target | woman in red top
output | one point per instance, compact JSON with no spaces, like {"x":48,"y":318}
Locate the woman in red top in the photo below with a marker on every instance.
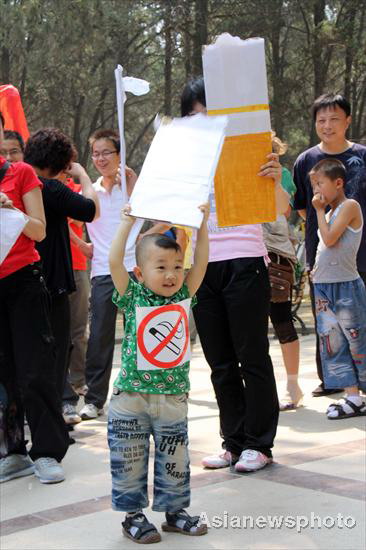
{"x":27,"y":354}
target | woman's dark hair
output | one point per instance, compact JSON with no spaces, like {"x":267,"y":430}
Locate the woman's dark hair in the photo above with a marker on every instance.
{"x":2,"y":119}
{"x":194,"y":91}
{"x":109,"y":134}
{"x":329,"y":101}
{"x":49,"y":148}
{"x":12,"y":134}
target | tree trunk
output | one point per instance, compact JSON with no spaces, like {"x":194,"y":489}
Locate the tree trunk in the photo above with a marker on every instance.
{"x":93,"y":123}
{"x":348,"y":32}
{"x":200,"y":35}
{"x":5,"y":65}
{"x":317,"y":56}
{"x":317,"y":53}
{"x":77,"y":120}
{"x":168,"y":58}
{"x":139,"y":138}
{"x":357,"y":96}
{"x":278,"y":101}
{"x":187,"y":47}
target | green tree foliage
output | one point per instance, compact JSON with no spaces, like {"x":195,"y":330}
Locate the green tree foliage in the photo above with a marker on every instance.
{"x":61,"y":54}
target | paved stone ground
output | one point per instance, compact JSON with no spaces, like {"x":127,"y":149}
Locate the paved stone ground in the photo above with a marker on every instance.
{"x":312,"y":497}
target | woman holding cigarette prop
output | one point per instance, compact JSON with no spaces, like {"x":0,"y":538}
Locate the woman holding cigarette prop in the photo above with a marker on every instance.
{"x":232,"y":321}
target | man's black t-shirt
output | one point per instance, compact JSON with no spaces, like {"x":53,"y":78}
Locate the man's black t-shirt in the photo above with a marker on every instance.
{"x":354,"y":160}
{"x":59,"y":204}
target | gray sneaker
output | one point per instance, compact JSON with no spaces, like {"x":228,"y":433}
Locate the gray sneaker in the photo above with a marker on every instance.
{"x":48,"y":470}
{"x":70,"y":415}
{"x":90,"y":411}
{"x":13,"y":466}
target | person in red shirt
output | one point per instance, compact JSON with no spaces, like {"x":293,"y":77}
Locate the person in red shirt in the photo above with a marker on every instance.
{"x":27,"y":351}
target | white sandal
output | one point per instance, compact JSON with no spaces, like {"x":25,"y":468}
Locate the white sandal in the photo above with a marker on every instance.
{"x":346,"y":408}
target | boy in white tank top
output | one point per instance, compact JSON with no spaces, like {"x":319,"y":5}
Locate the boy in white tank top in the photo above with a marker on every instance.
{"x":340,"y":295}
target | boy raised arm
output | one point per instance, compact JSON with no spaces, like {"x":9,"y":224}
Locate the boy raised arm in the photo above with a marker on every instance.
{"x":116,"y":255}
{"x":117,"y":252}
{"x":198,"y":269}
{"x":331,"y":233}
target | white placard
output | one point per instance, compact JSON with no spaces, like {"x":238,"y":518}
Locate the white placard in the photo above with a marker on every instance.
{"x":163,"y":339}
{"x":12,"y":223}
{"x":178,"y":171}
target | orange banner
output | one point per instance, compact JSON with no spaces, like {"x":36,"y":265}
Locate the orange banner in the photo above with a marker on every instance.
{"x":12,"y":110}
{"x":243,"y":197}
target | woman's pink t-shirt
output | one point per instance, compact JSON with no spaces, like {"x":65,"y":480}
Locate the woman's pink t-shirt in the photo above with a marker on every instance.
{"x":228,"y":243}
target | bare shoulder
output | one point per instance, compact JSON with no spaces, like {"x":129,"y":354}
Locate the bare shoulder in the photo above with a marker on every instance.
{"x":352,"y":203}
{"x":353,"y":209}
{"x":355,"y":204}
{"x":349,"y":207}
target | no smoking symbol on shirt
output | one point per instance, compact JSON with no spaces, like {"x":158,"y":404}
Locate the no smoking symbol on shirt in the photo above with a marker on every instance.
{"x":162,"y":336}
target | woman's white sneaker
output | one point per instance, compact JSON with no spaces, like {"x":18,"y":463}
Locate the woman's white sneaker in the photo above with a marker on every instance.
{"x":223,"y":460}
{"x":250,"y":461}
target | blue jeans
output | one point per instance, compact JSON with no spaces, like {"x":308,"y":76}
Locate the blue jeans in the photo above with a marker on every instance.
{"x":341,"y":325}
{"x":133,"y":418}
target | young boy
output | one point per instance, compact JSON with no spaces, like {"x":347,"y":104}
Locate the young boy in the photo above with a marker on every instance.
{"x":340,"y":295}
{"x":150,"y":393}
{"x":331,"y":115}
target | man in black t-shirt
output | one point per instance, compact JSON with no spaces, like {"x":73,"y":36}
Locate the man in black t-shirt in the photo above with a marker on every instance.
{"x":332,"y":117}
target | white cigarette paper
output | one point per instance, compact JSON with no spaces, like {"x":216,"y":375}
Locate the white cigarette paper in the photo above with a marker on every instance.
{"x":235,"y":77}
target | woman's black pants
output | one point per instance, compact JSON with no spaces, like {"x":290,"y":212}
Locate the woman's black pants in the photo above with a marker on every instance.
{"x":27,"y":366}
{"x":232,"y":321}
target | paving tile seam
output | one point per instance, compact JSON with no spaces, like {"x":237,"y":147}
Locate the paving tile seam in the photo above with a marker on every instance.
{"x":276,"y":473}
{"x":291,"y":459}
{"x":313,"y":454}
{"x":55,"y":515}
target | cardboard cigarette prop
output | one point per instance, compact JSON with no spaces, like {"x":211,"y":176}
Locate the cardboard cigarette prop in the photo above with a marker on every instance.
{"x":178,"y":171}
{"x":236,"y":86}
{"x":12,"y":110}
{"x":137,"y":87}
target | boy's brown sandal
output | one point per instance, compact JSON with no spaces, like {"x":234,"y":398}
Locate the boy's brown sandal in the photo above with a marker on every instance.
{"x":182,"y":522}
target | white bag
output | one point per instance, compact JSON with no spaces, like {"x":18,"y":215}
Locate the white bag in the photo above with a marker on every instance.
{"x":12,"y":223}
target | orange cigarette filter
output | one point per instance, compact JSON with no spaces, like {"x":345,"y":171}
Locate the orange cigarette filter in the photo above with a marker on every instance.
{"x":236,"y":86}
{"x":243,"y":197}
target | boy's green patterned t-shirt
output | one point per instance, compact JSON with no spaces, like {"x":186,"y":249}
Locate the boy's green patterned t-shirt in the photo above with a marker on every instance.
{"x":157,"y":381}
